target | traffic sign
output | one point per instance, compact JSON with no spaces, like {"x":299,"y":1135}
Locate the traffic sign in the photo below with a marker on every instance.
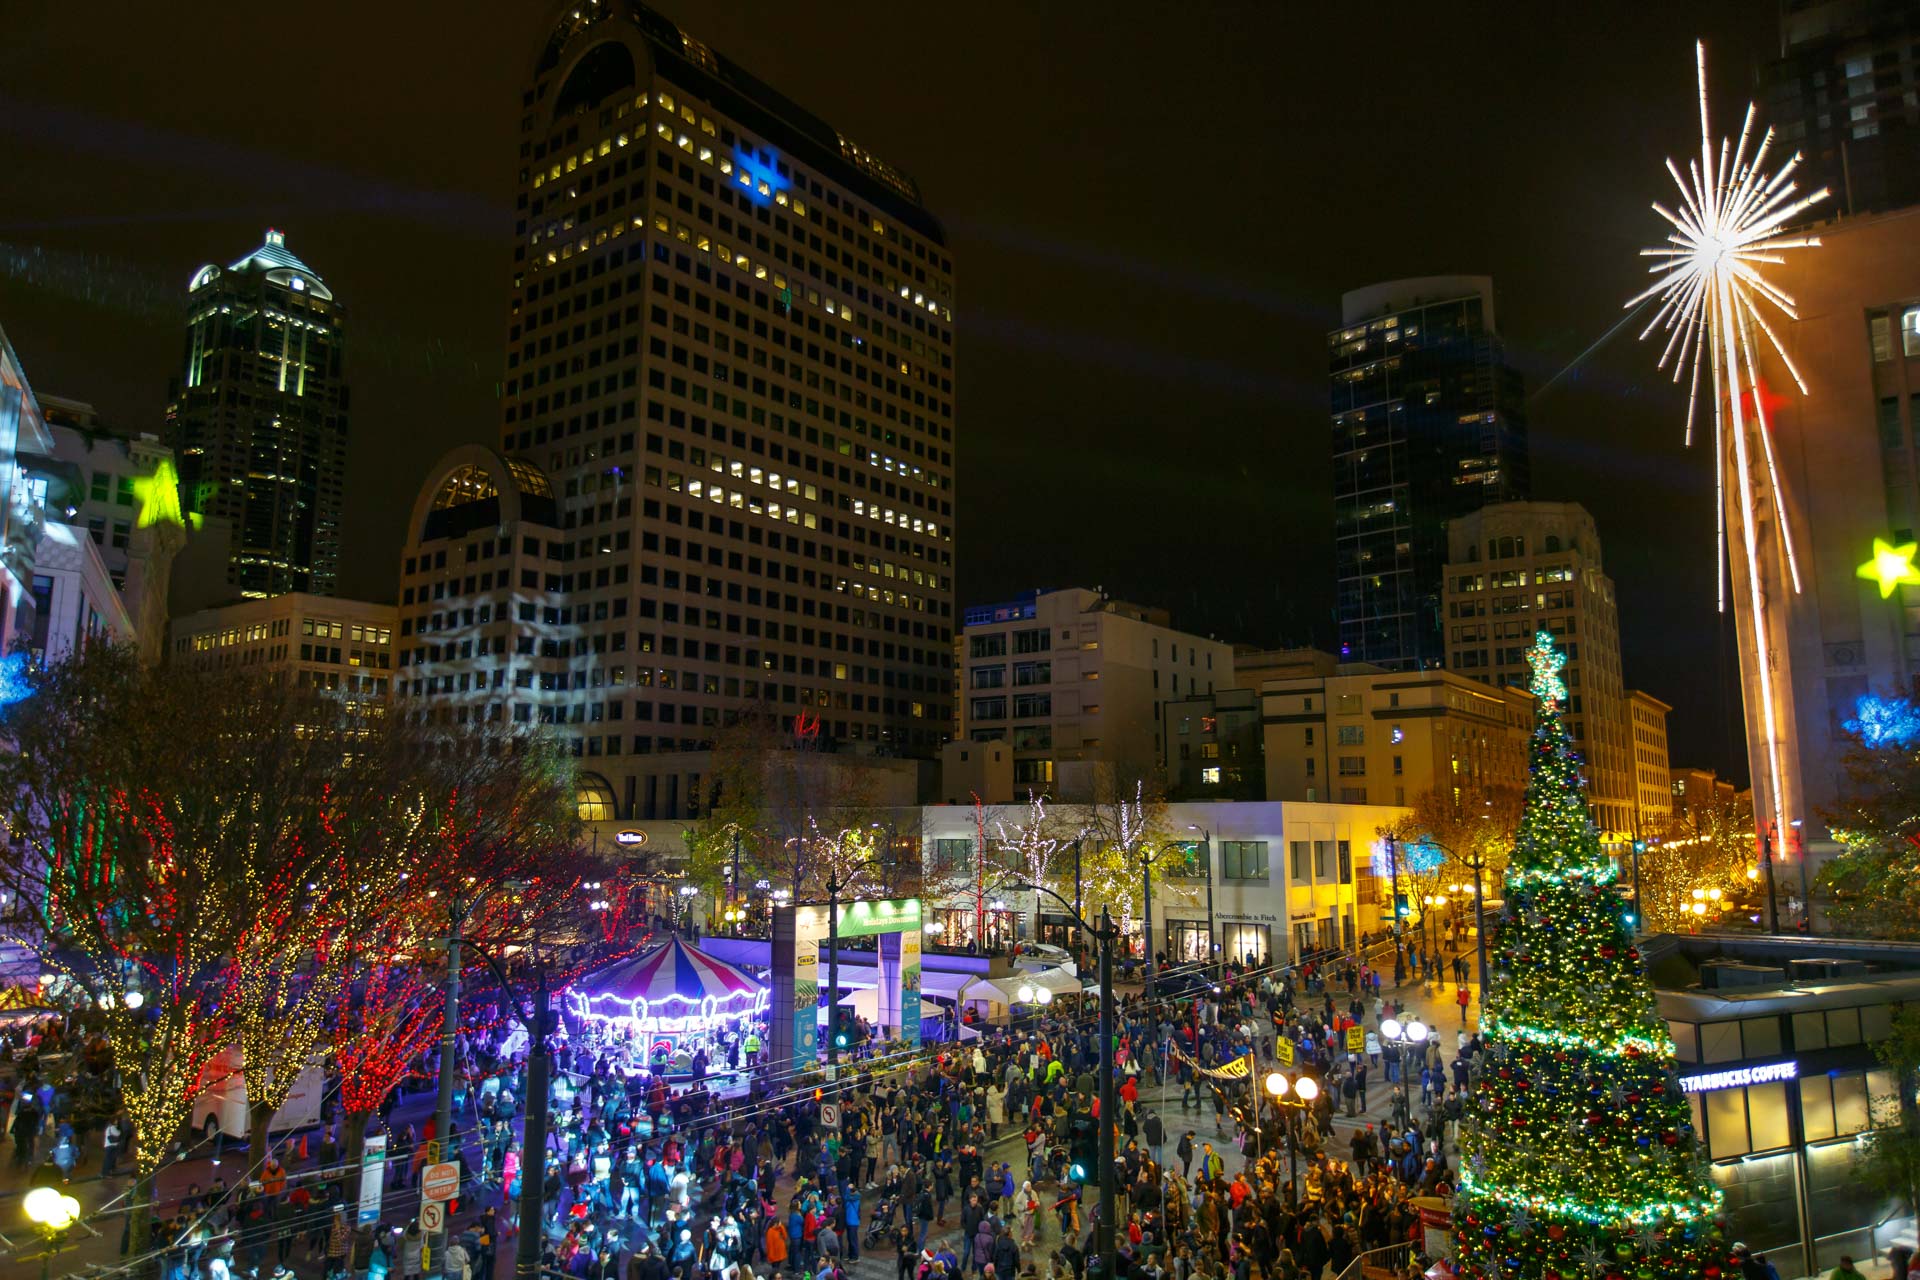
{"x":440,"y":1181}
{"x":433,"y":1215}
{"x":829,"y":1115}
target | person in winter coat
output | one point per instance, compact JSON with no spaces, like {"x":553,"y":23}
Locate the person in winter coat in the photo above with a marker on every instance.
{"x":411,"y":1245}
{"x":983,"y":1245}
{"x":776,"y":1244}
{"x":1006,"y":1256}
{"x":1025,"y":1202}
{"x":456,"y":1262}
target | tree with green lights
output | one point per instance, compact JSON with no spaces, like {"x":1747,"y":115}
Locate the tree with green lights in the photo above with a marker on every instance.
{"x":1579,"y":1159}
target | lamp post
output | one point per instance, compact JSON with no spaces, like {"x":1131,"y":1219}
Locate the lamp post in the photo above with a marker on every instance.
{"x":1409,"y":1035}
{"x":687,"y":893}
{"x":53,"y":1214}
{"x":1033,"y":994}
{"x":1105,"y":935}
{"x":1206,"y":852}
{"x":1292,"y":1096}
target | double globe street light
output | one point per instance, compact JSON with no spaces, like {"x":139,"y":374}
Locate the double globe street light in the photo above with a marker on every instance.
{"x":1410,"y":1035}
{"x":54,"y":1214}
{"x":1291,"y":1096}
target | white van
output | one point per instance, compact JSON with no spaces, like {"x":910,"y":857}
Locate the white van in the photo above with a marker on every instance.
{"x":221,"y":1104}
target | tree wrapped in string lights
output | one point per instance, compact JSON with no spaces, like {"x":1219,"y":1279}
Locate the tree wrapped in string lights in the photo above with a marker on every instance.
{"x":1579,"y":1157}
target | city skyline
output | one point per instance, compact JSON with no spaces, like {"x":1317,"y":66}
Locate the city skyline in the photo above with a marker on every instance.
{"x":1085,"y":319}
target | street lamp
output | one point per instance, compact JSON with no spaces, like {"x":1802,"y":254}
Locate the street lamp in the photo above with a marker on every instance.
{"x":1408,"y":1035}
{"x":54,"y":1214}
{"x":687,"y":893}
{"x":1030,"y":993}
{"x":1303,"y":1091}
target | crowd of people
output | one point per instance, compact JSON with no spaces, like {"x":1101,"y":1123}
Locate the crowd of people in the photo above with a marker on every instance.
{"x":975,"y":1160}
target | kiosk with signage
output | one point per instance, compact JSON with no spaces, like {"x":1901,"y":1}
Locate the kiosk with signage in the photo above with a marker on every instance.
{"x":798,"y":932}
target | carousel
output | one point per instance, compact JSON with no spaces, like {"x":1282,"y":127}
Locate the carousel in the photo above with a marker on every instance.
{"x":674,"y":1009}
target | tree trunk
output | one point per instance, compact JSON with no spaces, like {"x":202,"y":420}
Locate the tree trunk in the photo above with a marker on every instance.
{"x":355,"y":1133}
{"x":259,"y":1117}
{"x":139,"y":1206}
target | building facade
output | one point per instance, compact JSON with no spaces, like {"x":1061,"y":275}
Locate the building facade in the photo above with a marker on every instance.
{"x":1696,"y":795}
{"x":1073,"y":676}
{"x":1372,"y":737}
{"x":258,"y":419}
{"x":1776,"y":1041}
{"x":1265,"y":881}
{"x":730,"y":352}
{"x":26,"y":448}
{"x":1215,"y":747}
{"x":1652,"y":769}
{"x":1845,"y":453}
{"x":321,"y":642}
{"x":127,"y":499}
{"x":1428,"y":424}
{"x":1515,"y":568}
{"x":1845,"y":93}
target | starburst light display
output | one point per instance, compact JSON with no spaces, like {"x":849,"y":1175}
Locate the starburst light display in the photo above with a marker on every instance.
{"x":1714,"y":303}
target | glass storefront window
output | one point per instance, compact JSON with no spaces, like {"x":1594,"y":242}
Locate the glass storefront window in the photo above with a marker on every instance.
{"x":1719,"y":1042}
{"x":1186,"y":941}
{"x":1816,"y":1108}
{"x":1686,"y":1046}
{"x":1809,"y":1031}
{"x":1244,"y":943}
{"x":1843,"y":1026}
{"x":1760,"y":1036}
{"x":1727,"y":1123}
{"x":1849,"y":1103}
{"x":1767,"y":1116}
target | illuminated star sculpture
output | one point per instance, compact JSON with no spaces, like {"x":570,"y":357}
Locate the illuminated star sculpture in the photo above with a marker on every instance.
{"x":1891,"y":567}
{"x":1714,"y":304}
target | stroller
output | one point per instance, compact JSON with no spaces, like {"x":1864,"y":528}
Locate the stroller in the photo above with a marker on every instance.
{"x":879,"y":1224}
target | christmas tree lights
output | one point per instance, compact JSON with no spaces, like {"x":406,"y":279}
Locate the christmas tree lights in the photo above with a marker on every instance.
{"x":1579,"y":1153}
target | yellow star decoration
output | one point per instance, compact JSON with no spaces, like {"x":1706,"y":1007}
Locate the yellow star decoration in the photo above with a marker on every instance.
{"x":159,"y":496}
{"x":1891,"y":566}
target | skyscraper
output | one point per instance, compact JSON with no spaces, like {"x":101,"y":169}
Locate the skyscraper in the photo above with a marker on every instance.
{"x":730,"y":363}
{"x":1428,"y":424}
{"x":1517,"y":568}
{"x":1845,"y":92}
{"x":258,"y":419}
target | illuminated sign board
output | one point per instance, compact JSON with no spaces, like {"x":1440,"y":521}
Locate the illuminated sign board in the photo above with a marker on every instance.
{"x":1739,"y":1077}
{"x":630,"y":839}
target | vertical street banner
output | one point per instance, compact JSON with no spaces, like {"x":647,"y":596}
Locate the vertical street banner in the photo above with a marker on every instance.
{"x":373,"y":1178}
{"x":910,"y":987}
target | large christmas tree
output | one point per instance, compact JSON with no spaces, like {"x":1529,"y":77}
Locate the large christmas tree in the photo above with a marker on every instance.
{"x":1579,"y":1159}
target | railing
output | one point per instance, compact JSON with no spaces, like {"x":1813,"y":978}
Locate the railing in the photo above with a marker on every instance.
{"x":1390,"y":1256}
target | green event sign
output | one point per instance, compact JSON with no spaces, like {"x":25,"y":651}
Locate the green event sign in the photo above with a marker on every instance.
{"x":892,"y":915}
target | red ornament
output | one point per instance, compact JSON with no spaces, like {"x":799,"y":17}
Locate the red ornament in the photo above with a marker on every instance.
{"x":1609,"y":952}
{"x":1555,"y":1231}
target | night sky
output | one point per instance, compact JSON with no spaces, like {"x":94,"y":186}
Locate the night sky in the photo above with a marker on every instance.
{"x":1153,"y":212}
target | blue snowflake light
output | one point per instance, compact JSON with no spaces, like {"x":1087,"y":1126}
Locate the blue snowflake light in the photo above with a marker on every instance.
{"x":1884,"y":722}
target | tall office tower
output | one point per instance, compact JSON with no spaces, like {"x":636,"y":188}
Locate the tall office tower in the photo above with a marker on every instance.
{"x":1845,"y":93}
{"x":258,"y":419}
{"x":1428,"y":424}
{"x":1516,"y":568}
{"x":730,"y":358}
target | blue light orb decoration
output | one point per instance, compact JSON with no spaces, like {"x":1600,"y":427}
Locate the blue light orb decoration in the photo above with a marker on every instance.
{"x":1884,"y":722}
{"x":15,"y":684}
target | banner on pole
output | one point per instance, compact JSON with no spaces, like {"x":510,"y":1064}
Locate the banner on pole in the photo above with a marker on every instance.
{"x":373,"y":1179}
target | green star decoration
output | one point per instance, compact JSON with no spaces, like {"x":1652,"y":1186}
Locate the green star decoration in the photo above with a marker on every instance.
{"x":159,"y":496}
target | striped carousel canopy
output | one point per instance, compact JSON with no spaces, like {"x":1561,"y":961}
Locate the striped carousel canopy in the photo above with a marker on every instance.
{"x":674,"y":980}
